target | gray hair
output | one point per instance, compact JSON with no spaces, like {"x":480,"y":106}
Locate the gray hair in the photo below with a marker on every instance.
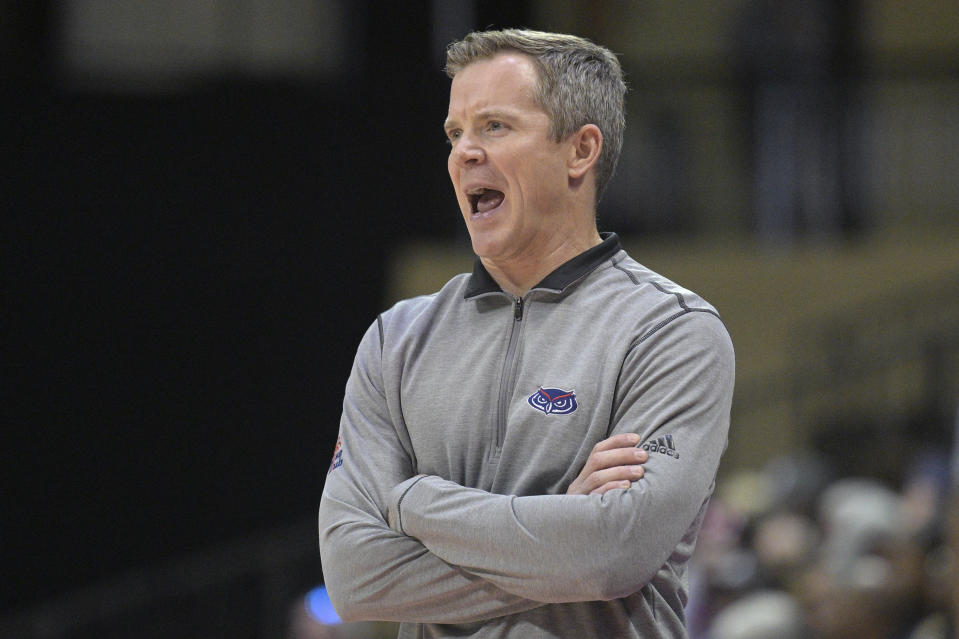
{"x":579,"y":83}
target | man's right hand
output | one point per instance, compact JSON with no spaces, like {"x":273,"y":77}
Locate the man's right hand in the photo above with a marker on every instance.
{"x":613,"y":463}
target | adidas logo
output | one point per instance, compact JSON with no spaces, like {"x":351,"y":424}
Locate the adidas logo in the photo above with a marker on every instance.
{"x":662,"y":445}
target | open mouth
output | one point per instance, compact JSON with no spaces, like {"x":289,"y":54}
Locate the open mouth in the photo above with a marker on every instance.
{"x":483,"y":200}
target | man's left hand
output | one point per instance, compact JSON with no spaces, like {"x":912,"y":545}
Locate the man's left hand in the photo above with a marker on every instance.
{"x":613,"y":463}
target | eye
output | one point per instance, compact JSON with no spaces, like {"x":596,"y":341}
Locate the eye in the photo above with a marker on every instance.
{"x":494,"y":125}
{"x":452,"y":136}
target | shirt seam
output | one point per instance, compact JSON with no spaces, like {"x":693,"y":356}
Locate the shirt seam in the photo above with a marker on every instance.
{"x":686,"y":311}
{"x":680,"y":299}
{"x":399,"y":503}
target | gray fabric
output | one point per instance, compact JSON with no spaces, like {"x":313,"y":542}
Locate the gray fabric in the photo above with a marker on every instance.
{"x":448,"y":511}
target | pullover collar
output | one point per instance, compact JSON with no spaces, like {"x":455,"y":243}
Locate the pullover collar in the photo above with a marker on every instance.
{"x":481,"y":282}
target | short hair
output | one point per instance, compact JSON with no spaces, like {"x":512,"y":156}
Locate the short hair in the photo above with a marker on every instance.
{"x":579,"y":83}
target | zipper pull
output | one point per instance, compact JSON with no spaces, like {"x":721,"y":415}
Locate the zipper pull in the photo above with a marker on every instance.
{"x":518,"y":309}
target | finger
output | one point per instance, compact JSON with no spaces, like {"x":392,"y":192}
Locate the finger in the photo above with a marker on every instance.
{"x":612,"y":475}
{"x":610,"y":486}
{"x":622,"y":440}
{"x":587,"y":484}
{"x":616,"y":457}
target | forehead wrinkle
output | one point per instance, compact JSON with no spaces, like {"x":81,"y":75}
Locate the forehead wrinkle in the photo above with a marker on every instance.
{"x":486,"y":94}
{"x":477,"y":105}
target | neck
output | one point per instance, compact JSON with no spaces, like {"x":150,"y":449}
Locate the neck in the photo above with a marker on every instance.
{"x":518,"y":275}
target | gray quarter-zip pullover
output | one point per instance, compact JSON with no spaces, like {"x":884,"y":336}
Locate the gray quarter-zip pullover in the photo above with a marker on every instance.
{"x":467,"y":415}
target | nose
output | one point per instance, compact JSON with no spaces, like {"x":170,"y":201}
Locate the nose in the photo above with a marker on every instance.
{"x":466,"y":151}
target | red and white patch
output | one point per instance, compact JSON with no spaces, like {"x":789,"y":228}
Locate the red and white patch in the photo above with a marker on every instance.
{"x":337,"y":456}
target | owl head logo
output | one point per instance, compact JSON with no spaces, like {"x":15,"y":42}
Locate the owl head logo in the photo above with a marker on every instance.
{"x":553,"y":401}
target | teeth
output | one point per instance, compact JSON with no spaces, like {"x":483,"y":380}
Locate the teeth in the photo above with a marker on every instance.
{"x":477,"y":191}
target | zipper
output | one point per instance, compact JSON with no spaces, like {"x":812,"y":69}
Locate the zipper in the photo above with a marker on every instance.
{"x":518,"y":309}
{"x":506,"y":379}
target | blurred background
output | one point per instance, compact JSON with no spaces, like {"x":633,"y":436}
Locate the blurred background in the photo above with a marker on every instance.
{"x":205,"y":204}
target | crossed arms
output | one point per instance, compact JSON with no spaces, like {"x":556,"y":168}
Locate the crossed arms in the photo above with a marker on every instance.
{"x":400,"y":546}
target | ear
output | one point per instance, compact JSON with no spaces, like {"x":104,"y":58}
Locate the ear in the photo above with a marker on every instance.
{"x":586,"y":143}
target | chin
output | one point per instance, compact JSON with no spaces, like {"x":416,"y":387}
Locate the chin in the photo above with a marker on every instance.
{"x":487,"y":245}
{"x":481,"y":242}
{"x":489,"y":235}
{"x":480,"y":247}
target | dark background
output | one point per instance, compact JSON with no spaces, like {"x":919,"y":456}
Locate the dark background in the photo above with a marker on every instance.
{"x":185,"y":279}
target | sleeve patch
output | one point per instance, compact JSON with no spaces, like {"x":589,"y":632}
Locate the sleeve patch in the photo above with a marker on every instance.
{"x":337,"y":456}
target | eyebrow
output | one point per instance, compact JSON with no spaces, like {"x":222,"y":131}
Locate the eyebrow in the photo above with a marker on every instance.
{"x":484,"y":114}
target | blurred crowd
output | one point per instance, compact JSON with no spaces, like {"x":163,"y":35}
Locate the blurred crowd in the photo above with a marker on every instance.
{"x":798,"y":550}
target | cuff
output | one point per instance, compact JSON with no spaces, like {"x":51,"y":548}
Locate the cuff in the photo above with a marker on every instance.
{"x":396,"y":497}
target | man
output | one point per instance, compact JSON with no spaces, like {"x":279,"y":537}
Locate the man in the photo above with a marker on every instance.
{"x":487,"y":482}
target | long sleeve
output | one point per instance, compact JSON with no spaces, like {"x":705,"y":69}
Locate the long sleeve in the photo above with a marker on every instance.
{"x":372,"y":572}
{"x":675,"y":390}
